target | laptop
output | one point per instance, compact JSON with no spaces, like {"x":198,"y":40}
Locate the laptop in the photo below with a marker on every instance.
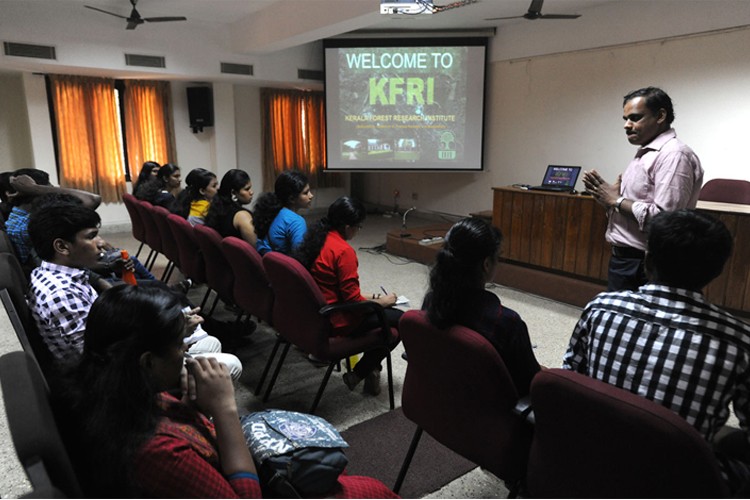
{"x":559,"y":178}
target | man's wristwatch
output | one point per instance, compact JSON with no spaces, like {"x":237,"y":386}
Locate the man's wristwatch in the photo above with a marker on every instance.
{"x":618,"y":203}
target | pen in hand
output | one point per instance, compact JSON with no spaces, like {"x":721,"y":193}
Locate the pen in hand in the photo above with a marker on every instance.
{"x":384,"y":292}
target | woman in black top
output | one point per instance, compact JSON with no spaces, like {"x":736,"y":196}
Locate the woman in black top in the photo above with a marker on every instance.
{"x":226,"y":214}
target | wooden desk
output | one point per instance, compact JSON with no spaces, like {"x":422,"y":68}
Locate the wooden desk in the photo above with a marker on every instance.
{"x":554,"y":247}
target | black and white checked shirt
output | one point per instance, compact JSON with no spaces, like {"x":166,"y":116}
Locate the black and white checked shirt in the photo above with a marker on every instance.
{"x":60,"y":298}
{"x":671,"y":346}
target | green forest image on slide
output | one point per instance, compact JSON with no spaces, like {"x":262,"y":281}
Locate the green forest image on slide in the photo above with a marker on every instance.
{"x":403,"y":104}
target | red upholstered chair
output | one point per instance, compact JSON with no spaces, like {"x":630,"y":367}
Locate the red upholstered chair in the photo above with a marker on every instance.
{"x":153,"y":237}
{"x":34,"y":431}
{"x":458,"y":390}
{"x":14,"y":282}
{"x":139,"y":230}
{"x":726,"y":191}
{"x":594,"y":440}
{"x":191,"y":260}
{"x":252,"y":290}
{"x":300,"y":316}
{"x":168,"y":243}
{"x":219,"y":274}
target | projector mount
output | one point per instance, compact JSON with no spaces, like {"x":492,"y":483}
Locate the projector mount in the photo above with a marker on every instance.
{"x":417,"y":7}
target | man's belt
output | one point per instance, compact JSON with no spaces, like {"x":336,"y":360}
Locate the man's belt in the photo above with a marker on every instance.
{"x":628,"y":252}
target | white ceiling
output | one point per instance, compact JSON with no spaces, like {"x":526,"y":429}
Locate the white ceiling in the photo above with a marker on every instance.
{"x":274,"y":34}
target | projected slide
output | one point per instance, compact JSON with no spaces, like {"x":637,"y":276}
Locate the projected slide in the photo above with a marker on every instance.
{"x":405,"y":107}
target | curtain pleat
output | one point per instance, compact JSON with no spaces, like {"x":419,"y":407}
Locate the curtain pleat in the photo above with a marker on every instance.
{"x":148,"y":131}
{"x":293,"y":124}
{"x":87,"y":128}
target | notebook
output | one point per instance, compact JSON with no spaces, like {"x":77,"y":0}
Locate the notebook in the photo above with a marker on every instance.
{"x":559,"y":178}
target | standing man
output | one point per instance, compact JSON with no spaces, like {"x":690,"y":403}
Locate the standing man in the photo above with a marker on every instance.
{"x":664,"y":175}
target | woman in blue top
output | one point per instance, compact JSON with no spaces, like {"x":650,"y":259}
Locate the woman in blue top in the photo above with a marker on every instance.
{"x":277,"y":224}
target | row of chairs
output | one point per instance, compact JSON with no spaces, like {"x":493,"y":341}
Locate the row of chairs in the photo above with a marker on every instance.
{"x":585,"y":438}
{"x":267,"y":288}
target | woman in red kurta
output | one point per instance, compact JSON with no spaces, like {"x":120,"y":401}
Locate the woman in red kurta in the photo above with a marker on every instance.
{"x":131,"y":437}
{"x":334,"y":266}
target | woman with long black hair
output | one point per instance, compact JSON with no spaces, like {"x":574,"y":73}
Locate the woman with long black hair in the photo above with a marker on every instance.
{"x":334,"y":266}
{"x":226,"y":213}
{"x":193,"y":202}
{"x":163,"y":189}
{"x":148,"y":172}
{"x":278,"y":224}
{"x":457,"y":295}
{"x":132,"y":437}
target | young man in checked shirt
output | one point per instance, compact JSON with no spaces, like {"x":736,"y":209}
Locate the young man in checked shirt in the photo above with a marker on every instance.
{"x":666,"y":343}
{"x":63,"y":289}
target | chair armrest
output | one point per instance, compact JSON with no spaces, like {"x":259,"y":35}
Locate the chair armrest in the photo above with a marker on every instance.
{"x":524,"y":410}
{"x":365,"y":305}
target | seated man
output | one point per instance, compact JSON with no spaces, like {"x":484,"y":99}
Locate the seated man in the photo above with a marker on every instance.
{"x":666,"y":342}
{"x":66,"y":238}
{"x":33,"y":190}
{"x":24,"y":186}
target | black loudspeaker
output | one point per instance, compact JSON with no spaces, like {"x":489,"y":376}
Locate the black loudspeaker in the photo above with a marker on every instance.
{"x":200,"y":107}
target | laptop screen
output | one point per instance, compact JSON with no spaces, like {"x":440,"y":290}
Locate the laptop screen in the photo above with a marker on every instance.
{"x":561,"y":176}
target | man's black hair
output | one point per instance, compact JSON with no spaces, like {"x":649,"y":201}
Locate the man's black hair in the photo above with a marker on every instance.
{"x":656,"y":99}
{"x":63,"y":221}
{"x":687,"y":249}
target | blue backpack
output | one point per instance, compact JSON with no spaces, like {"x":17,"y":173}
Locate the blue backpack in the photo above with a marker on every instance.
{"x":297,"y":455}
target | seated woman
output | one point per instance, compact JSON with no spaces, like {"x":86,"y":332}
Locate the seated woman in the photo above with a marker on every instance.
{"x":149,"y":170}
{"x":226,"y":214}
{"x":278,"y":225}
{"x":131,"y":437}
{"x":163,"y":189}
{"x":194,"y":201}
{"x":333,"y":265}
{"x":457,"y":296}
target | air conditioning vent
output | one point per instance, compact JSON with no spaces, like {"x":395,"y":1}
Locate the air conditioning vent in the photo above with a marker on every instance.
{"x":28,"y":50}
{"x":310,"y":74}
{"x":146,"y":61}
{"x":237,"y":69}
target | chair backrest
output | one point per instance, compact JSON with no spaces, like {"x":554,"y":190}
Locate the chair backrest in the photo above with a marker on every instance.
{"x":13,"y":280}
{"x":218,"y":271}
{"x":168,"y":243}
{"x":191,"y":258}
{"x":458,"y":389}
{"x":297,"y":302}
{"x":252,"y":290}
{"x":6,"y":246}
{"x":595,"y":440}
{"x":33,"y":428}
{"x":726,"y":191}
{"x":138,"y":228}
{"x":153,"y":237}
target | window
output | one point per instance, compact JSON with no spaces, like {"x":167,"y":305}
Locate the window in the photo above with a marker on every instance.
{"x":89,"y":115}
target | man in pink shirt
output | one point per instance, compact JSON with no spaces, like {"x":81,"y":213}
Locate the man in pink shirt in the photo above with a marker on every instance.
{"x":665,"y":175}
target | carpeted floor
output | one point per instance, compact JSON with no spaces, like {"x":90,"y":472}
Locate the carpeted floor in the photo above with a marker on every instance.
{"x":378,"y":446}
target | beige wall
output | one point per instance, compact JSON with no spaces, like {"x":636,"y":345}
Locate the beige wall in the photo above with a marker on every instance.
{"x":15,"y":138}
{"x":566,"y":109}
{"x":562,"y":108}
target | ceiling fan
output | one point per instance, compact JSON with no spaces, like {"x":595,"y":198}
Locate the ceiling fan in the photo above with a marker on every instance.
{"x":134,"y":19}
{"x":535,"y":12}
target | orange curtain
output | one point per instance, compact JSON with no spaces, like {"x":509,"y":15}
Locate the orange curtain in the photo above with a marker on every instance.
{"x":149,"y":130}
{"x":293,"y":124}
{"x":88,"y":137}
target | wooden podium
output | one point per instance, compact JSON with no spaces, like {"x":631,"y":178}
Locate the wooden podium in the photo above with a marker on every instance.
{"x":553,"y":244}
{"x":554,"y":247}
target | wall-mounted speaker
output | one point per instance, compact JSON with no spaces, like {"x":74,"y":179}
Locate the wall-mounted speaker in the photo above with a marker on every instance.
{"x":200,"y":107}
